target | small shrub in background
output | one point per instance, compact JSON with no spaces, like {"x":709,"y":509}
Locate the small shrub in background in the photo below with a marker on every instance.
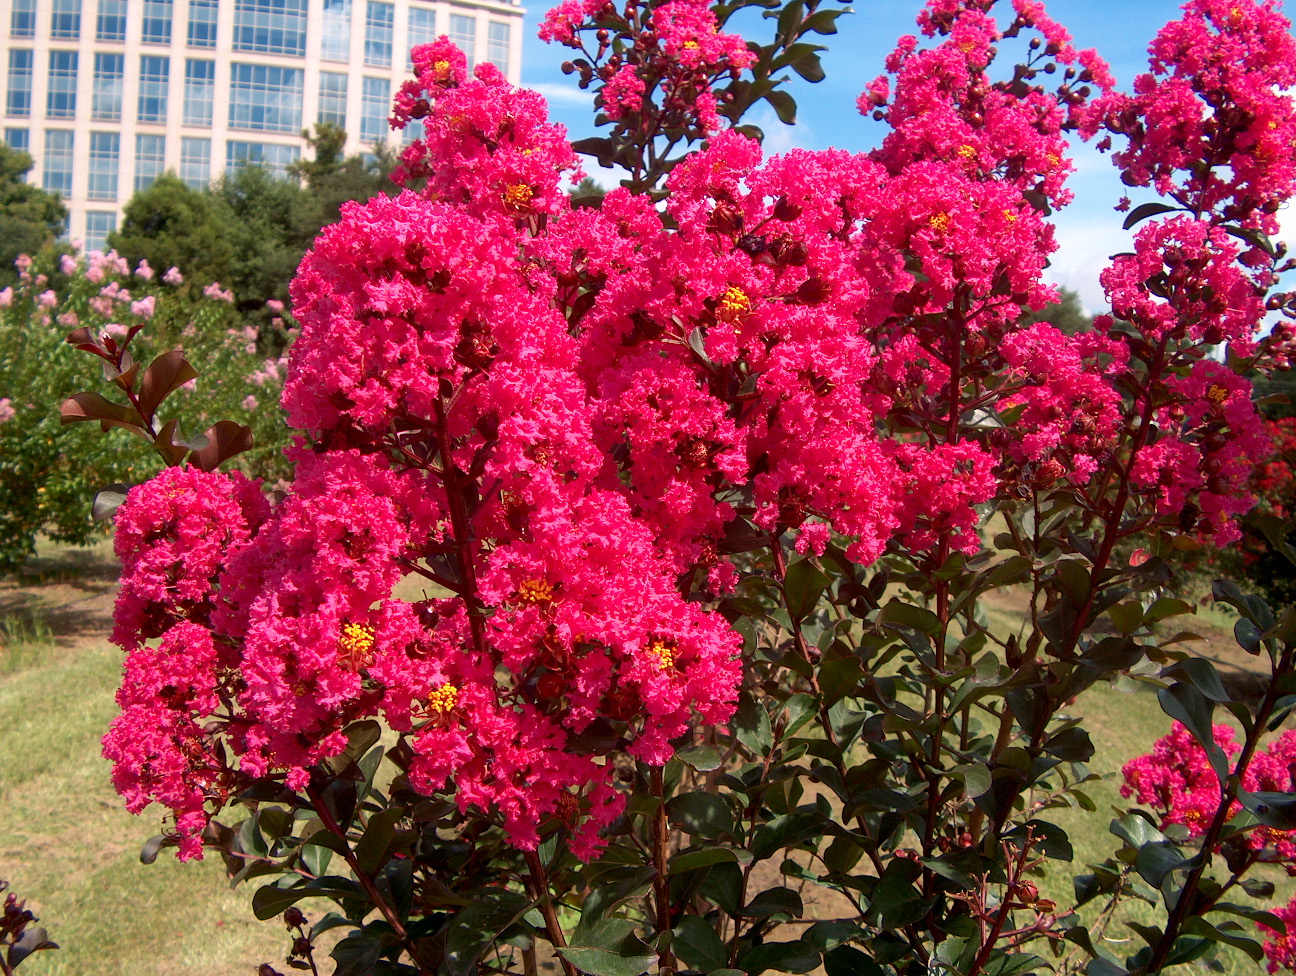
{"x":48,"y":470}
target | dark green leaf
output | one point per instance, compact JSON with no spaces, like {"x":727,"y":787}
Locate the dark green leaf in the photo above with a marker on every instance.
{"x":1146,"y":210}
{"x":698,"y":944}
{"x":751,"y":725}
{"x":474,"y":928}
{"x":701,"y":814}
{"x":603,"y":962}
{"x":775,"y":901}
{"x":702,"y":758}
{"x":848,"y":961}
{"x":786,"y":831}
{"x":782,"y":957}
{"x":357,"y":954}
{"x":802,"y":588}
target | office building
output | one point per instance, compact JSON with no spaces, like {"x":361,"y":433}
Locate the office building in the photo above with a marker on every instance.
{"x":106,"y":95}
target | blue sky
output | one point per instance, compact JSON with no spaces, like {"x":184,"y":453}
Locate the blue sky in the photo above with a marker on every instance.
{"x":1088,"y":230}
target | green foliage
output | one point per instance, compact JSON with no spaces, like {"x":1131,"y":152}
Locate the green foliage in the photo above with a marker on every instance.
{"x":30,"y":218}
{"x":249,"y":230}
{"x":50,"y":472}
{"x":170,"y":225}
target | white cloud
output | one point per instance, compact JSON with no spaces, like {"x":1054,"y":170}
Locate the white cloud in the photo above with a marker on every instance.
{"x":561,"y":94}
{"x":779,"y":138}
{"x":1085,"y":247}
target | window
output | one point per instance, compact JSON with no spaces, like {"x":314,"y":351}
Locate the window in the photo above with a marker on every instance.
{"x":463,"y":31}
{"x":106,"y":99}
{"x":497,"y":45}
{"x":332,"y":98}
{"x":373,"y":109}
{"x":195,"y":162}
{"x":60,"y":100}
{"x":58,"y":160}
{"x":19,"y":139}
{"x":273,"y":158}
{"x":378,"y":34}
{"x":105,"y":162}
{"x":111,"y":25}
{"x":22,"y":21}
{"x":19,"y":97}
{"x":422,"y":30}
{"x":200,"y":89}
{"x":65,"y":19}
{"x":264,"y":97}
{"x":150,"y":160}
{"x":414,"y":129}
{"x":202,"y":23}
{"x":270,"y":26}
{"x":335,"y":39}
{"x":155,"y":72}
{"x":156,"y":25}
{"x":99,"y":224}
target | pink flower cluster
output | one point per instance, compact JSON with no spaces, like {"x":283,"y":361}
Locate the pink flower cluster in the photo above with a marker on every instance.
{"x":1176,"y":780}
{"x":564,"y":422}
{"x":665,"y":60}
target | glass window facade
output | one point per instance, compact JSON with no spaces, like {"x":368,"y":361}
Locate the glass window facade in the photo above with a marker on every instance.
{"x":422,"y":30}
{"x":270,"y":26}
{"x":106,"y":99}
{"x":99,"y":224}
{"x":155,"y":28}
{"x":150,"y":159}
{"x":274,"y":158}
{"x":22,"y":19}
{"x":497,"y":45}
{"x":60,"y":96}
{"x":111,"y":22}
{"x":155,"y":73}
{"x":202,"y":23}
{"x":65,"y":19}
{"x":58,"y":161}
{"x":265,"y":98}
{"x":463,"y":31}
{"x":18,"y":99}
{"x":335,"y":36}
{"x":19,"y":139}
{"x":379,"y":21}
{"x":373,"y":109}
{"x":195,"y":162}
{"x":199,"y":91}
{"x":105,"y":165}
{"x":332,"y":98}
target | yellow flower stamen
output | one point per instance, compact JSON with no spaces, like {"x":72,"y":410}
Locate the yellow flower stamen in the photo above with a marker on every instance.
{"x":355,"y":646}
{"x":967,"y":152}
{"x":940,"y":222}
{"x":691,"y":45}
{"x":442,"y":699}
{"x":663,"y":651}
{"x":734,"y":304}
{"x":535,"y":591}
{"x":1010,"y":216}
{"x":1216,"y":394}
{"x":518,"y":194}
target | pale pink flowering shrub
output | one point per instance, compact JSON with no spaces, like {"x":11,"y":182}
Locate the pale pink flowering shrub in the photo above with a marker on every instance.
{"x":6,"y":409}
{"x":173,"y":277}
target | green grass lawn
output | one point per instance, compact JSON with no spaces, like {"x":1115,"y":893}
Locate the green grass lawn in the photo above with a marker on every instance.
{"x":68,"y":846}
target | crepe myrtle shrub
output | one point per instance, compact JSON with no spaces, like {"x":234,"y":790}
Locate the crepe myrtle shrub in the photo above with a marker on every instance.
{"x":47,"y":469}
{"x":693,"y":497}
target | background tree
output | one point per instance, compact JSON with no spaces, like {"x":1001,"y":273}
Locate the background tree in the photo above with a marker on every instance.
{"x":30,"y":218}
{"x":171,"y":225}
